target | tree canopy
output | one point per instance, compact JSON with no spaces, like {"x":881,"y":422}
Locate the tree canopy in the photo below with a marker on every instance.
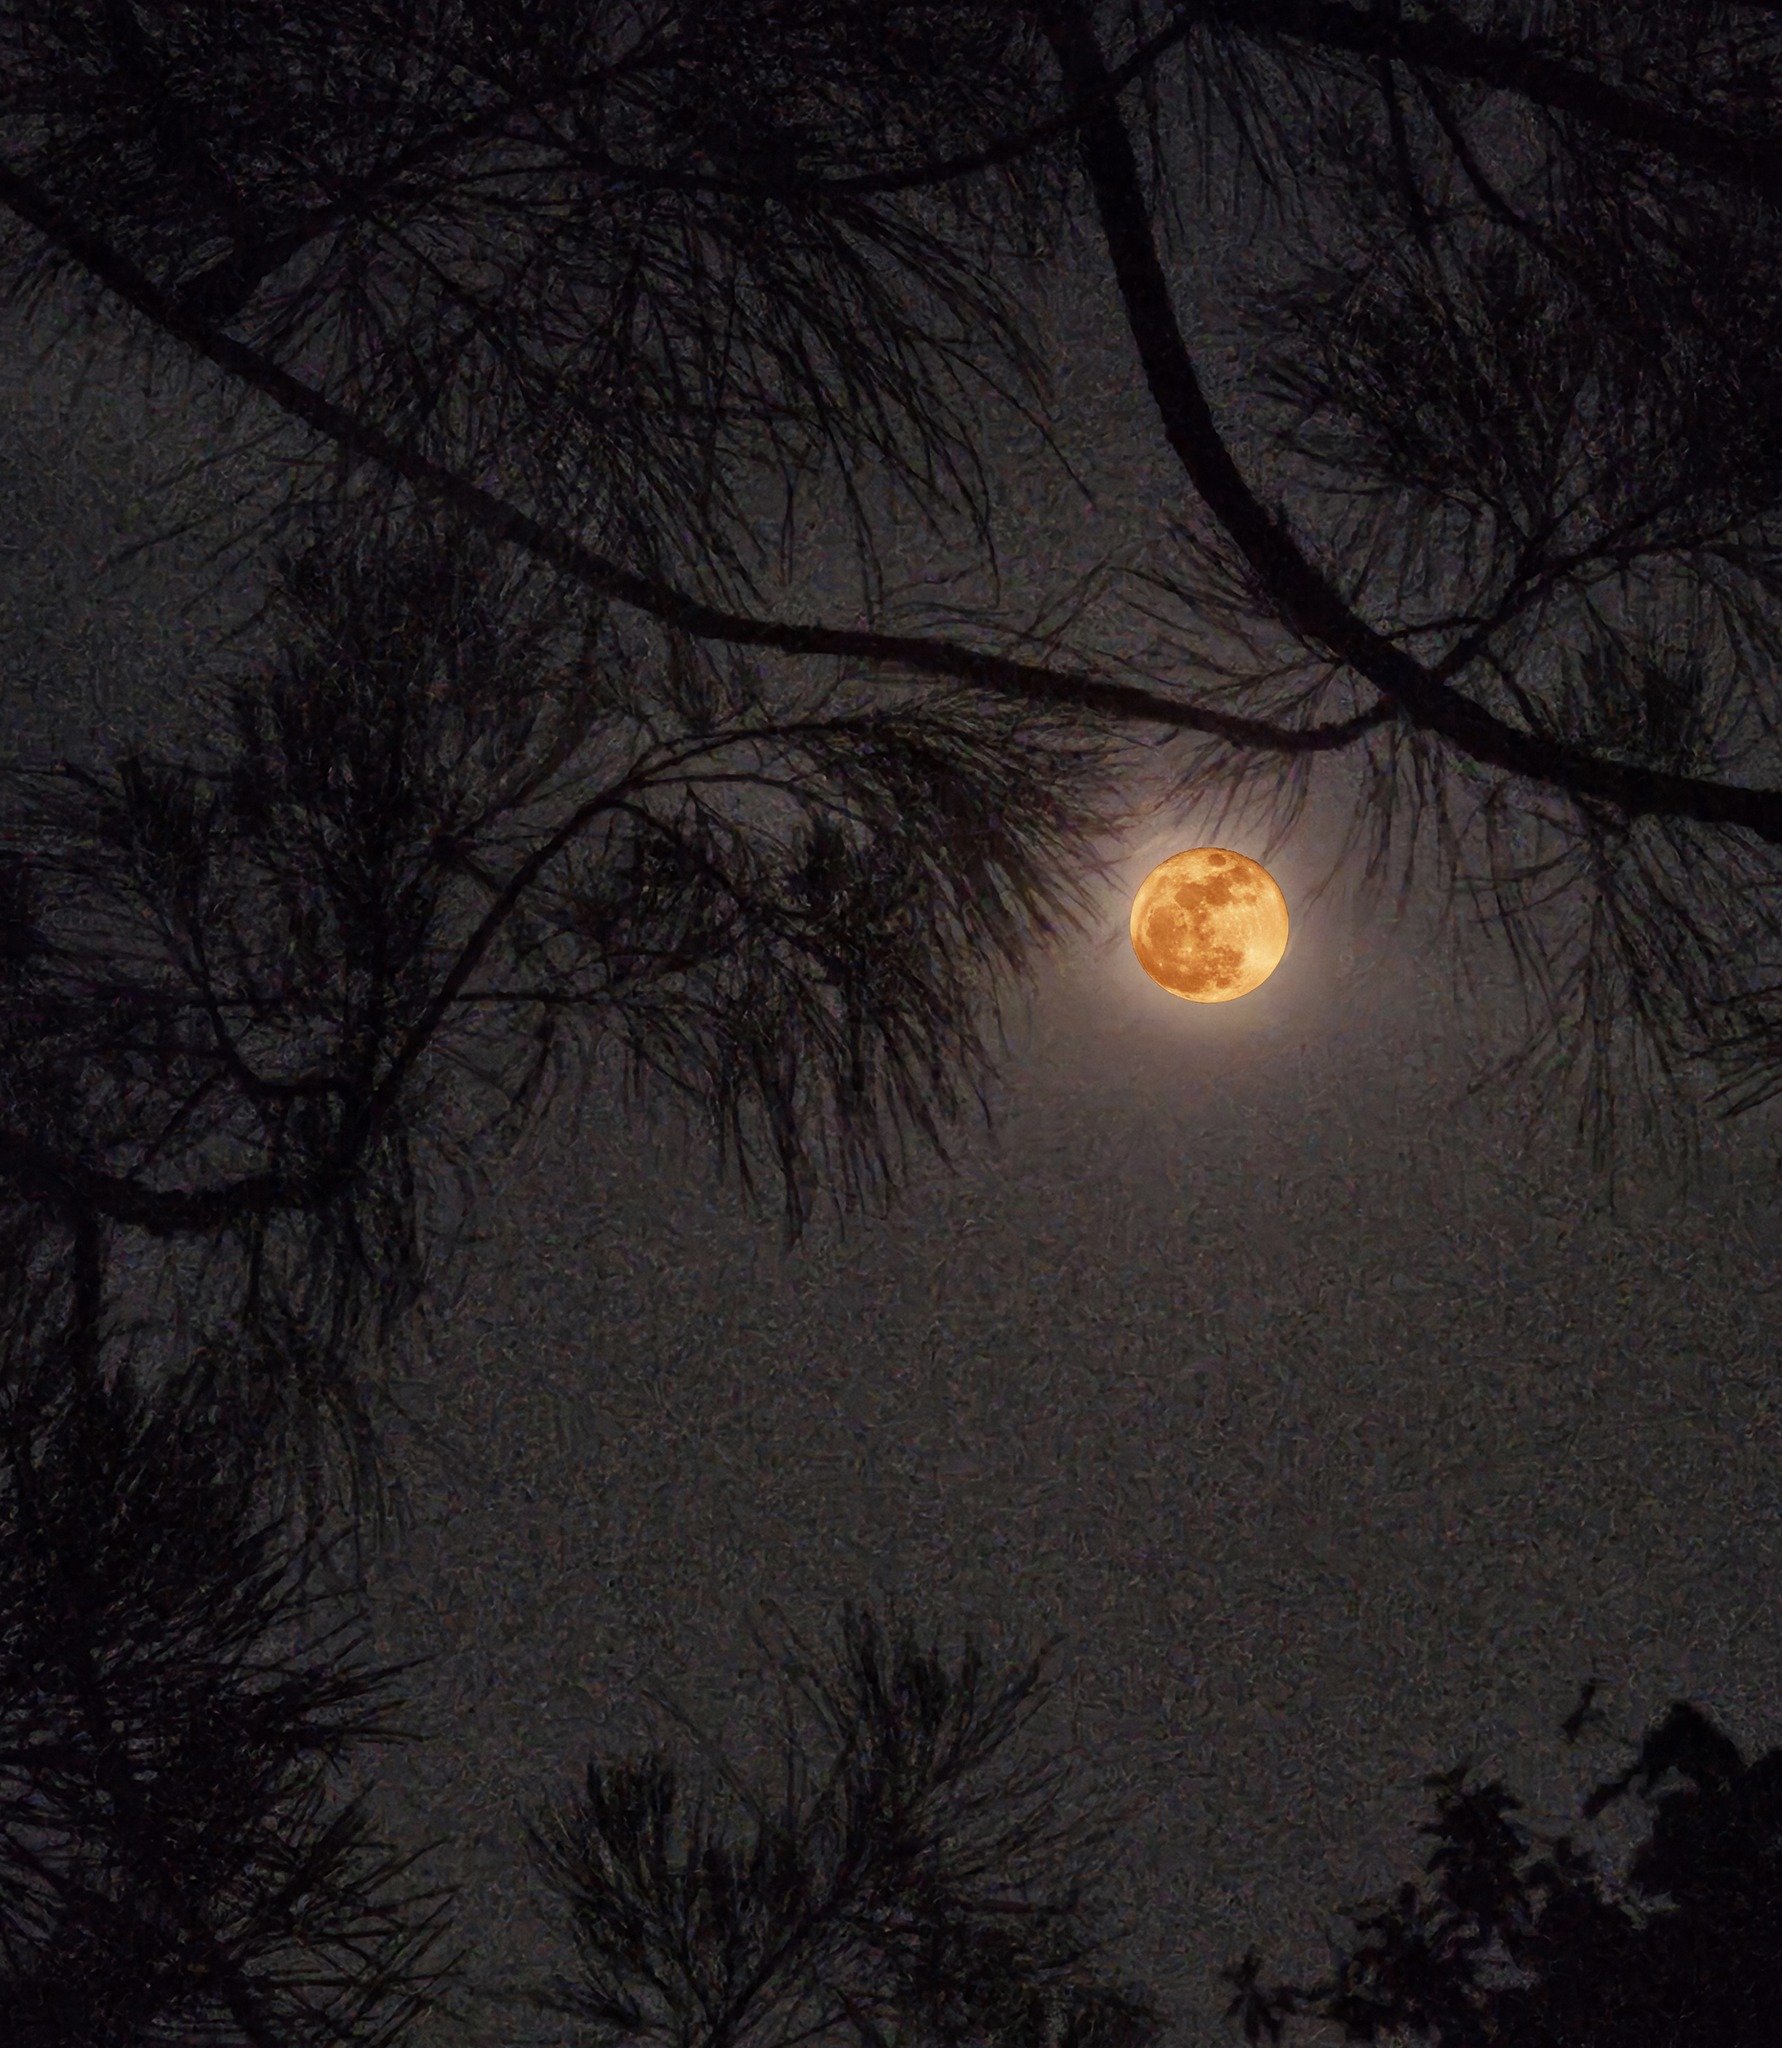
{"x":900,"y":1870}
{"x":578,"y":304}
{"x":546,"y":317}
{"x":1539,"y":1949}
{"x":177,"y":1691}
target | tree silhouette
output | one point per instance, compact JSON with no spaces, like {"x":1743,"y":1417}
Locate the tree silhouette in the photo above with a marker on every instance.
{"x":173,"y":1866}
{"x":594,"y":277}
{"x":1536,"y":1950}
{"x":900,"y":1872}
{"x":267,"y":1010}
{"x":555,"y":300}
{"x":564,"y":311}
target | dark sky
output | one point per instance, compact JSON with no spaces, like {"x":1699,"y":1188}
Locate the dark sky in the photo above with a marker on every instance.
{"x":1322,"y":1409}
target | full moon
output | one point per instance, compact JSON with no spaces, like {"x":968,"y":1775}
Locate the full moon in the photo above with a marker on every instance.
{"x":1209,"y":925}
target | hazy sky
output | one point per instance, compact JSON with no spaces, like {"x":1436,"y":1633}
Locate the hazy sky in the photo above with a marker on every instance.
{"x":1322,"y":1409}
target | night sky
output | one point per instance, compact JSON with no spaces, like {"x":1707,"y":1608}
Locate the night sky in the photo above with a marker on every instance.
{"x":1324,"y":1410}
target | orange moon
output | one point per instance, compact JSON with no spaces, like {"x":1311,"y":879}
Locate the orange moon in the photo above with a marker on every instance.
{"x":1209,"y":925}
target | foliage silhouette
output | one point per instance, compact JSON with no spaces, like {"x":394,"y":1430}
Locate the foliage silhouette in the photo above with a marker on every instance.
{"x":173,"y":1703}
{"x":371,"y":187}
{"x":593,"y":300}
{"x":451,"y":853}
{"x":564,"y":313}
{"x":1535,"y":1950}
{"x":620,"y":284}
{"x":899,"y":1872}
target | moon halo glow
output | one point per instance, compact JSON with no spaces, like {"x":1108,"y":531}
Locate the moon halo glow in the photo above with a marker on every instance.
{"x":1209,"y":925}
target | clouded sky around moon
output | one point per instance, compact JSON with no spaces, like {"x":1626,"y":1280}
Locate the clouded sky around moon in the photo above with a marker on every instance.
{"x":1323,"y":1409}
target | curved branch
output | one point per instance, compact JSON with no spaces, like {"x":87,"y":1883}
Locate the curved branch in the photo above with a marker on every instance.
{"x":88,"y":1195}
{"x":475,"y":949}
{"x":991,"y":156}
{"x":1309,"y":603}
{"x":916,"y":655}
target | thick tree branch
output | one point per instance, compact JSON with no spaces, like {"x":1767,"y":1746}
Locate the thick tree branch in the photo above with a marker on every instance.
{"x":1308,"y":602}
{"x":42,"y":1175}
{"x":88,"y":1305}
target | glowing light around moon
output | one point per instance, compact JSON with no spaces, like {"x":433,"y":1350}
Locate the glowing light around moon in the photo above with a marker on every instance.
{"x":1209,"y":925}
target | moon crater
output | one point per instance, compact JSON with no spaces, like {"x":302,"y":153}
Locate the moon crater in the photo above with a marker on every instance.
{"x":1209,"y":925}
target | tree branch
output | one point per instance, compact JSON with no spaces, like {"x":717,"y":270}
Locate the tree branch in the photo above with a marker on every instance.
{"x":920,"y":177}
{"x":223,"y":290}
{"x":41,"y":1175}
{"x":1307,"y":600}
{"x":503,"y":522}
{"x":1438,"y":40}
